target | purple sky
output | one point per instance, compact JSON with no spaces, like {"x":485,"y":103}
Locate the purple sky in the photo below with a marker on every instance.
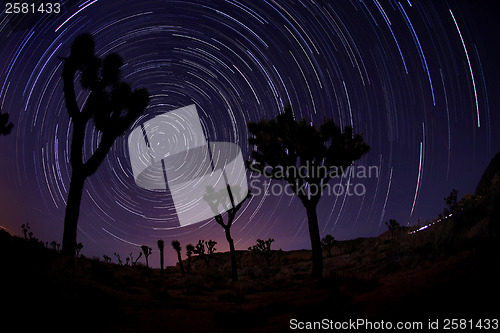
{"x":417,"y":78}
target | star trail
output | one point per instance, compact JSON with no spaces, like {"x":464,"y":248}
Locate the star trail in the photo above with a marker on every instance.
{"x":418,"y":79}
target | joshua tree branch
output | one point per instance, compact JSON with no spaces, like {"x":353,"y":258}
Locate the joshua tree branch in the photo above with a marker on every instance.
{"x":99,"y":155}
{"x":220,"y":220}
{"x":5,"y":126}
{"x":69,"y":71}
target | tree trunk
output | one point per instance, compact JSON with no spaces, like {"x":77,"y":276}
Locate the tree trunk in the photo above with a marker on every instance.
{"x":317,"y":253}
{"x":161,"y":261}
{"x":72,"y":213}
{"x":181,"y":266}
{"x":234,"y":268}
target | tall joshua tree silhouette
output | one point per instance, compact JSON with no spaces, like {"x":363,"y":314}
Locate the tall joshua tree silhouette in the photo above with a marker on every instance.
{"x":5,"y":126}
{"x":307,"y":157}
{"x":214,"y":199}
{"x":112,"y":105}
{"x":177,"y":247}
{"x":161,"y":247}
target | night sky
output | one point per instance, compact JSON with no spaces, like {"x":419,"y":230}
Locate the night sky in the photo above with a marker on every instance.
{"x":419,"y":80}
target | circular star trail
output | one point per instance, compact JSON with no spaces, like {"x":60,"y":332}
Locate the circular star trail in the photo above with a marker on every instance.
{"x":415,"y":78}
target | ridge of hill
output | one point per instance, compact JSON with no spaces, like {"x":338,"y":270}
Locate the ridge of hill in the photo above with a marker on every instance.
{"x":491,"y":176}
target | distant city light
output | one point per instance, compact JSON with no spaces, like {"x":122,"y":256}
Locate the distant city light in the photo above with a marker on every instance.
{"x":428,"y":225}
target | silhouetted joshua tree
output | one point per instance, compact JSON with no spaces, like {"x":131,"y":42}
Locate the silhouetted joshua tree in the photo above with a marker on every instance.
{"x":120,"y":262}
{"x":263,"y":248}
{"x":26,"y":228}
{"x":111,"y":104}
{"x":451,"y":202}
{"x":133,"y":261}
{"x":307,"y":157}
{"x":177,"y":247}
{"x":214,"y":199}
{"x":328,"y":242}
{"x":211,"y":247}
{"x":200,"y":248}
{"x":189,"y":253}
{"x":5,"y":126}
{"x":78,"y":248}
{"x":147,"y":252}
{"x":200,"y":251}
{"x":161,"y":247}
{"x":129,"y":259}
{"x":27,"y":233}
{"x":392,"y":225}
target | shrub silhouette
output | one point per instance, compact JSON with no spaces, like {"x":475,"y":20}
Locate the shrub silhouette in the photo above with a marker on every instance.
{"x":177,"y":247}
{"x":113,"y":107}
{"x":283,"y":147}
{"x":161,"y":247}
{"x":214,"y":199}
{"x":5,"y":126}
{"x":147,"y":252}
{"x":328,"y":242}
{"x":189,"y":253}
{"x":106,"y":258}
